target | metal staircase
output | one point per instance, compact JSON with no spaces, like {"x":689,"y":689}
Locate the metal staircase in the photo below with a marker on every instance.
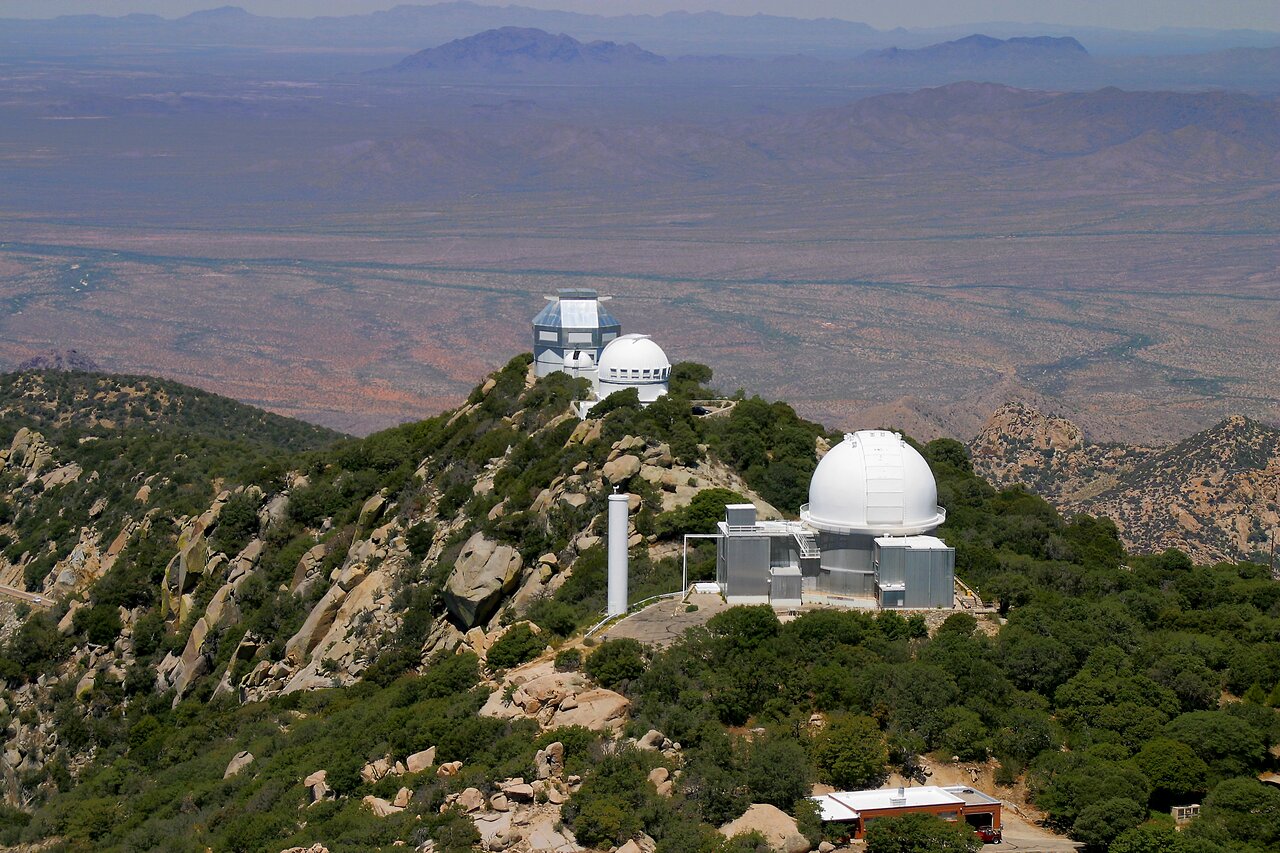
{"x":808,"y":545}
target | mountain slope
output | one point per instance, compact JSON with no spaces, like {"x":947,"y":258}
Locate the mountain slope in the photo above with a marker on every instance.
{"x":378,"y":643}
{"x":106,"y":402}
{"x":1215,"y":495}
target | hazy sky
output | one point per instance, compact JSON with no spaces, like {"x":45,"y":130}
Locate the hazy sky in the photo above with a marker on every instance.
{"x":1127,"y":14}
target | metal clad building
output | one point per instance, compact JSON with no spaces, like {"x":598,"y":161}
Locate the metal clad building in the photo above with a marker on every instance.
{"x":570,"y":332}
{"x":915,"y":572}
{"x":861,"y":539}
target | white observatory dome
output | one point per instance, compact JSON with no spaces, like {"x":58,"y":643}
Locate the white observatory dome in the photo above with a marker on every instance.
{"x":634,"y":361}
{"x":873,"y":482}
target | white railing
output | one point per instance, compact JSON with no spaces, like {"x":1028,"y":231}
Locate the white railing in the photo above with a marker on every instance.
{"x":634,"y":608}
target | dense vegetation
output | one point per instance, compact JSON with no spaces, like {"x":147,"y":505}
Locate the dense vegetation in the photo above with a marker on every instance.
{"x":133,"y":432}
{"x":1115,"y":686}
{"x":97,"y":403}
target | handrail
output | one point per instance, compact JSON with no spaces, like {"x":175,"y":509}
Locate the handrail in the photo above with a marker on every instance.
{"x":633,"y":608}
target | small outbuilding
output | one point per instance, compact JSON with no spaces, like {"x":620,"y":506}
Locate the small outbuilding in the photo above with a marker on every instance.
{"x":857,"y":809}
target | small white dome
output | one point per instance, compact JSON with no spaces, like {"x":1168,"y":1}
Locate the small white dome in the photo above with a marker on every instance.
{"x":873,"y":482}
{"x":638,"y":355}
{"x":633,"y":361}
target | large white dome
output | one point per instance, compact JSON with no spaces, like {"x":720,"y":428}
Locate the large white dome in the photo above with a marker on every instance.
{"x":634,"y":359}
{"x":873,"y":482}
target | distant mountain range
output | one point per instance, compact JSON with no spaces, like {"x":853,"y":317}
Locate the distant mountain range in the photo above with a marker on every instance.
{"x":1041,"y":62}
{"x":982,"y":48}
{"x":672,"y":34}
{"x":514,"y":49}
{"x":529,"y":50}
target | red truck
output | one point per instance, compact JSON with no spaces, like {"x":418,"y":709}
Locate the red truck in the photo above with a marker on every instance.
{"x":988,"y":835}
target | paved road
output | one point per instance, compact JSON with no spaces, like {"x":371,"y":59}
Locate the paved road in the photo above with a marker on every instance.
{"x":661,"y":623}
{"x":25,"y":597}
{"x":1021,"y":835}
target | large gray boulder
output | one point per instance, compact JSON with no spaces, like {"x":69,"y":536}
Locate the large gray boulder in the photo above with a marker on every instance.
{"x":619,"y":470}
{"x":778,"y":828}
{"x":485,"y":571}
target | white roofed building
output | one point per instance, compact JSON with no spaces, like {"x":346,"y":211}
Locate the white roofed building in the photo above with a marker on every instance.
{"x":861,"y":540}
{"x":957,"y":803}
{"x":634,"y":361}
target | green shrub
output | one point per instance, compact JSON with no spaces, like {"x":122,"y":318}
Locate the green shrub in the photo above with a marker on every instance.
{"x":518,"y":645}
{"x":616,"y":662}
{"x":920,"y":833}
{"x":419,"y":539}
{"x":237,"y":524}
{"x":569,"y":660}
{"x":99,"y":624}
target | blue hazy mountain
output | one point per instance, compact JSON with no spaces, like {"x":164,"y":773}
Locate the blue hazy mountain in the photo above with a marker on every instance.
{"x":516,"y":49}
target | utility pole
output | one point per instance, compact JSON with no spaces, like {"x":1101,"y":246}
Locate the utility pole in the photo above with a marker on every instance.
{"x":1274,"y":576}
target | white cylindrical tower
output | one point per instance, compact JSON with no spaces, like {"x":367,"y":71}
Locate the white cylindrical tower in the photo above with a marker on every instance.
{"x":619,"y":510}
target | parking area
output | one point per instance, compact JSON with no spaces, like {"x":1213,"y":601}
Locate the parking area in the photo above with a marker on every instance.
{"x":660,"y":624}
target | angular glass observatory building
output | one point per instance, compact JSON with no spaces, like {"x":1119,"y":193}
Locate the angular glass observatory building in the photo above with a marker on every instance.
{"x":570,"y":332}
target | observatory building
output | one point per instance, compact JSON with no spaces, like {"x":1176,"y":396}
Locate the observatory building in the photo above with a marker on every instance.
{"x":633,"y":361}
{"x":577,"y":335}
{"x":569,"y":333}
{"x":862,"y":539}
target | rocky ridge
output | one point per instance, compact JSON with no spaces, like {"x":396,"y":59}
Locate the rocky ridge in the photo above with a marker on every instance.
{"x":1215,"y":495}
{"x":351,"y":582}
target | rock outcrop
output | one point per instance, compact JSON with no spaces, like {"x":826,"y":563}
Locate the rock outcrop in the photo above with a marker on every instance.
{"x":1212,"y":495}
{"x":484,"y":572}
{"x":239,"y":762}
{"x":778,"y":828}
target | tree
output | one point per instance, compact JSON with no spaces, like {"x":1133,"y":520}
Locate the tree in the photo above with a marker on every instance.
{"x":615,"y":803}
{"x":616,"y":661}
{"x":1174,"y":769}
{"x":777,"y":772}
{"x":948,"y":451}
{"x":919,"y":833}
{"x":700,"y":516}
{"x":745,"y":627}
{"x":1010,"y":590}
{"x":1229,"y":745}
{"x":1248,"y":810}
{"x":850,"y":752}
{"x":1159,"y":839}
{"x":1100,"y":823}
{"x":965,"y":736}
{"x":689,"y":378}
{"x":100,"y":623}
